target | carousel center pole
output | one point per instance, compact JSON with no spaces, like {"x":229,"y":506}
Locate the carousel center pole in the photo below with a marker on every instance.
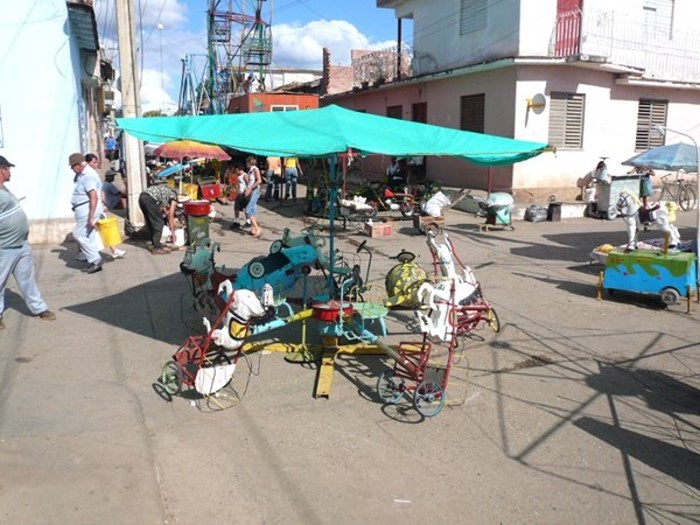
{"x":333,"y":175}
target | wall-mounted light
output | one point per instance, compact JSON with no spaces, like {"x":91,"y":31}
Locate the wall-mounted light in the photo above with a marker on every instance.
{"x":537,"y":103}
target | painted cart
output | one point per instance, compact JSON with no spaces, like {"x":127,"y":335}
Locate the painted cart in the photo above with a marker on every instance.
{"x":670,"y":276}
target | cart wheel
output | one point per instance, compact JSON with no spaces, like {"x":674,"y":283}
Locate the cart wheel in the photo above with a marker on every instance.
{"x":388,"y":388}
{"x":256,"y":269}
{"x":276,"y":246}
{"x":407,"y":209}
{"x":428,"y":399}
{"x":611,"y":213}
{"x":432,"y":229}
{"x":670,"y":296}
{"x":371,"y":213}
{"x":494,"y":321}
{"x":172,"y":378}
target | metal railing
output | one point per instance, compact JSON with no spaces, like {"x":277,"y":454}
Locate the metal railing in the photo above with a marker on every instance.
{"x":660,"y":54}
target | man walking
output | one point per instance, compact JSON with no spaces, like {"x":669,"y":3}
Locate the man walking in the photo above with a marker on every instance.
{"x":87,"y":207}
{"x":15,"y":255}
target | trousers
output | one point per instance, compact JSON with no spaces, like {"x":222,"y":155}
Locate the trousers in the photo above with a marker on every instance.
{"x":154,"y":218}
{"x":20,"y":263}
{"x":88,"y":239}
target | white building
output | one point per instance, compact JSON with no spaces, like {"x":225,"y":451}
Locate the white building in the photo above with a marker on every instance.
{"x":589,"y":78}
{"x":51,"y":104}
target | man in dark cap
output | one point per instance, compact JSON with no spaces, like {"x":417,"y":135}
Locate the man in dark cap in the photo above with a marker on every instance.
{"x":87,"y":207}
{"x":15,"y":255}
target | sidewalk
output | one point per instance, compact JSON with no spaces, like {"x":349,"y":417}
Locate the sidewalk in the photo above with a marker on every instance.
{"x":579,"y":411}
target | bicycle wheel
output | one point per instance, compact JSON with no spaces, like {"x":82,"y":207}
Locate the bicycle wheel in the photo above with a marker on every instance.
{"x":686,"y":198}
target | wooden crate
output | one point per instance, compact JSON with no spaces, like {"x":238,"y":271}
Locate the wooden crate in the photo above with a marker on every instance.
{"x":379,"y":229}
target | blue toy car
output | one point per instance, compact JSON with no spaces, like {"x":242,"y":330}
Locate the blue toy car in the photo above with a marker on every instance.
{"x":280,"y":269}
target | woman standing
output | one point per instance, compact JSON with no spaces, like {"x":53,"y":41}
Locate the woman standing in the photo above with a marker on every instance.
{"x":292,"y":170}
{"x":254,"y":180}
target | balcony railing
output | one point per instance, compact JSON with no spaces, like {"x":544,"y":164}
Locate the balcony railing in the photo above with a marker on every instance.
{"x":668,"y":55}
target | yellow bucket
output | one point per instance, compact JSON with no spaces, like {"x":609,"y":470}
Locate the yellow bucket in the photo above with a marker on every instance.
{"x":191,"y":190}
{"x":109,"y":231}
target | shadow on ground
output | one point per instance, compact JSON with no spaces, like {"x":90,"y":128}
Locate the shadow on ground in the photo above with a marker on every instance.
{"x":161,"y":309}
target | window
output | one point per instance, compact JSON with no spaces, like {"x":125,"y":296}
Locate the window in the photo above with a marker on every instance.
{"x":658,"y":18}
{"x":280,"y":107}
{"x":420,"y":112}
{"x":566,"y":120}
{"x":472,"y":113}
{"x":650,"y":113}
{"x":472,"y":16}
{"x":394,"y":112}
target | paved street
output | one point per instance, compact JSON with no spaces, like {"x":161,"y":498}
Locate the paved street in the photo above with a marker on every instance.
{"x":579,"y":411}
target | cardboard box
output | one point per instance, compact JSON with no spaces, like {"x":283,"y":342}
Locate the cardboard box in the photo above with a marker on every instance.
{"x":379,"y":229}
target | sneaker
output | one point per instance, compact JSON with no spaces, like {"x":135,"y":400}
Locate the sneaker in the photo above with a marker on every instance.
{"x":80,"y":256}
{"x":93,"y":267}
{"x":47,"y":315}
{"x":118,"y":254}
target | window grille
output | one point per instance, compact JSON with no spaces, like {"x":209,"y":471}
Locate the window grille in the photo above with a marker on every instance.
{"x":472,"y":113}
{"x":566,"y":111}
{"x":650,"y":113}
{"x":394,"y":112}
{"x":472,"y":16}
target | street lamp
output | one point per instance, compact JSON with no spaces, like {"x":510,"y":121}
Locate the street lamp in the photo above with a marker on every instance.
{"x":662,"y":131}
{"x":162,"y":91}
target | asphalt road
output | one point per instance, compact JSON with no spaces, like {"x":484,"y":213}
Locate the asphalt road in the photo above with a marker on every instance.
{"x":578,"y":411}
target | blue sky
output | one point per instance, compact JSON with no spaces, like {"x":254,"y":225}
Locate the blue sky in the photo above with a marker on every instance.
{"x":300,"y":29}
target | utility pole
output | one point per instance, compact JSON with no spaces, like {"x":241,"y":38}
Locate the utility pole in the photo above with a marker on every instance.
{"x":131,"y":107}
{"x":162,"y":89}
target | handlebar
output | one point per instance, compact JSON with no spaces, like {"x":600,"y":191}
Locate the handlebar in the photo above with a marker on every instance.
{"x":676,"y":174}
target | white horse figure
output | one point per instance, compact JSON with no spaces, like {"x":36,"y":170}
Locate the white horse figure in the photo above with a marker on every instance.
{"x":244,"y":307}
{"x":629,"y":207}
{"x":439,"y":297}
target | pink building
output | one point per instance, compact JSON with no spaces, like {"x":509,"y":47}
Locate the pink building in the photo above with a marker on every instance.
{"x":590,"y":78}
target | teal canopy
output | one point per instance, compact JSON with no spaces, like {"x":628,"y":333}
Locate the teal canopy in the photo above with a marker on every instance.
{"x":329,"y":130}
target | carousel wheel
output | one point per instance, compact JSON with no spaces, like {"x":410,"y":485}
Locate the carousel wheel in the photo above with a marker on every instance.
{"x":370,"y":213}
{"x":256,"y":269}
{"x":428,"y":398}
{"x":171,"y":378}
{"x":388,"y":388}
{"x":276,"y":246}
{"x":407,"y":209}
{"x":494,"y":321}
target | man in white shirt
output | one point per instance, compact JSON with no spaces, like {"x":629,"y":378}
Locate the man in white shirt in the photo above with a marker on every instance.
{"x":87,"y":207}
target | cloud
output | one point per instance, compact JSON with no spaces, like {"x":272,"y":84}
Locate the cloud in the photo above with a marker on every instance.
{"x":301,"y":46}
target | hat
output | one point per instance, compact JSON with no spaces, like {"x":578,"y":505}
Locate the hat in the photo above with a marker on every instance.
{"x":76,"y":158}
{"x":4,"y":162}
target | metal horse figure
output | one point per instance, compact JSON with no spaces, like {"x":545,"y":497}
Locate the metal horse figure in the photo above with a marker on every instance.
{"x":245,"y":306}
{"x":629,"y":207}
{"x":439,"y":297}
